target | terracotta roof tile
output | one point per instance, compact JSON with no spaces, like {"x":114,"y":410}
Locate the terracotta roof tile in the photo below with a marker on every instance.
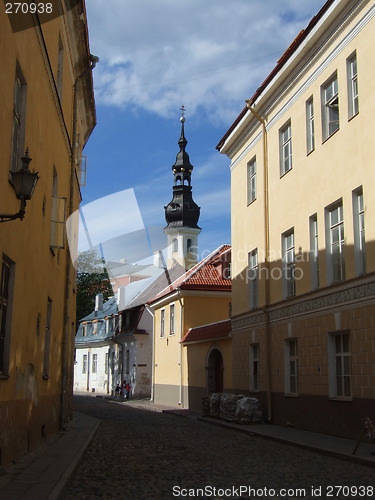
{"x":207,"y":274}
{"x":219,"y":330}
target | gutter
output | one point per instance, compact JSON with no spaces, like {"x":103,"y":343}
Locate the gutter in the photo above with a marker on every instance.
{"x":267,"y":253}
{"x":181,"y":330}
{"x":152,"y":313}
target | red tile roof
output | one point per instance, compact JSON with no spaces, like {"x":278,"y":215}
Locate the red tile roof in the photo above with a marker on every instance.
{"x":214,"y":331}
{"x":206,"y":275}
{"x":280,"y":63}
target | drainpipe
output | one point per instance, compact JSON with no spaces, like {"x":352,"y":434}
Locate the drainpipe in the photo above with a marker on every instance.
{"x":152,"y":313}
{"x":181,"y":330}
{"x":267,"y":253}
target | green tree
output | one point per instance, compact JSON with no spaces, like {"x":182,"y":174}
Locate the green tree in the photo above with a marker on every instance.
{"x":92,"y":278}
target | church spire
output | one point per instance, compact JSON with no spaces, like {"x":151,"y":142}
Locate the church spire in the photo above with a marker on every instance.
{"x":182,"y":213}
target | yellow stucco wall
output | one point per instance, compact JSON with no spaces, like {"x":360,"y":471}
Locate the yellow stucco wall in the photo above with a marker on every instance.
{"x":332,"y":171}
{"x":32,"y":402}
{"x":169,"y":355}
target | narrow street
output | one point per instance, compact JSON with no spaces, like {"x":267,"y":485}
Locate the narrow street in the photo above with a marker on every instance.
{"x":138,"y":454}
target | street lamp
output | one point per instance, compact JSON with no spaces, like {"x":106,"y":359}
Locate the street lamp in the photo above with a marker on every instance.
{"x":24,"y":183}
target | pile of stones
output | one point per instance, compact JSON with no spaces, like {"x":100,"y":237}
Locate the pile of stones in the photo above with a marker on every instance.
{"x":233,"y":408}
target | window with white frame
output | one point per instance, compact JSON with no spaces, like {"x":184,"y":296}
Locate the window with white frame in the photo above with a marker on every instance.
{"x":94,"y":363}
{"x":251,"y":181}
{"x":285,"y":149}
{"x":106,"y":362}
{"x":6,"y":299}
{"x":359,"y":232}
{"x":19,"y":120}
{"x":291,"y":366}
{"x":254,"y":367}
{"x":314,"y":252}
{"x":335,"y":239}
{"x":353,"y":104}
{"x":339,"y":365}
{"x":84,"y":363}
{"x":289,"y":285}
{"x":162,"y":323}
{"x":310,"y":132}
{"x":172,"y":319}
{"x":330,"y":107}
{"x":253,"y":278}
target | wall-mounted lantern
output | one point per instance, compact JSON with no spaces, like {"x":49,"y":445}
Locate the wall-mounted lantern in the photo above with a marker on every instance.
{"x":24,"y":183}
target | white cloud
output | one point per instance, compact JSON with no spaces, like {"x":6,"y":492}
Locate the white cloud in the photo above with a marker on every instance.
{"x":205,"y":54}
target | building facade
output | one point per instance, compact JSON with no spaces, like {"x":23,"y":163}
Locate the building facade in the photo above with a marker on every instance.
{"x":303,"y":210}
{"x":46,"y":105}
{"x":189,"y":363}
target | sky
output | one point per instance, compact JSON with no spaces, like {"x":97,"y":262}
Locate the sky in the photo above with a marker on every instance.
{"x":208,"y":55}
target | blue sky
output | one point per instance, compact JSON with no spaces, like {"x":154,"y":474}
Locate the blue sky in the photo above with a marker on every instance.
{"x":156,"y":56}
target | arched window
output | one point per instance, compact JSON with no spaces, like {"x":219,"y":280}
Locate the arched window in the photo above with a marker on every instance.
{"x":189,"y":245}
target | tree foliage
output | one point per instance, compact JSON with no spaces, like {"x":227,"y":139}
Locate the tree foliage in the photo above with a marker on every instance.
{"x":92,"y":278}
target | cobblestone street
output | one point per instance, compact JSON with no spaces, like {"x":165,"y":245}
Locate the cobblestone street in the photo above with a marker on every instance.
{"x":139,"y":454}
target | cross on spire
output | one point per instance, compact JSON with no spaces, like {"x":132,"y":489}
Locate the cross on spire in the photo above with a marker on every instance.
{"x":182,"y":113}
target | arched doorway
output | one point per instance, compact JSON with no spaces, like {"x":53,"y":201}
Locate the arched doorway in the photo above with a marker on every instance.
{"x":215,"y":372}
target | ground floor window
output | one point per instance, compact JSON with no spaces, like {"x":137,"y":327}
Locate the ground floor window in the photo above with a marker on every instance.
{"x":339,"y":365}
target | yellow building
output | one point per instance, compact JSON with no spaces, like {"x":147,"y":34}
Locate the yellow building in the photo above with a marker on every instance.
{"x":46,"y":105}
{"x":303,"y":213}
{"x":191,"y":362}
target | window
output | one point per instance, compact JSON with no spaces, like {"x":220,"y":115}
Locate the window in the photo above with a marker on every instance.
{"x":253,"y":278}
{"x":127,"y":362}
{"x":330,"y":108}
{"x":289,"y":285}
{"x":171,"y":319}
{"x":19,"y":120}
{"x":353,"y":104}
{"x":58,"y":215}
{"x":335,"y":253}
{"x":120,"y":361}
{"x":285,"y":149}
{"x":106,"y":363}
{"x":84,"y":363}
{"x":291,"y":366}
{"x":60,"y":64}
{"x":94,"y":363}
{"x":174,"y":245}
{"x":6,"y":295}
{"x":84,"y":330}
{"x":113,"y":362}
{"x":251,"y":181}
{"x":339,"y":365}
{"x":47,"y":340}
{"x":310,"y":133}
{"x":106,"y":325}
{"x":359,"y":232}
{"x":314,"y":252}
{"x":162,"y":323}
{"x":254,"y":367}
{"x":189,"y":245}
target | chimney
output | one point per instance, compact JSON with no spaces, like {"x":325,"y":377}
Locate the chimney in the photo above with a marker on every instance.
{"x":159,"y":259}
{"x":99,"y":302}
{"x":121,"y":298}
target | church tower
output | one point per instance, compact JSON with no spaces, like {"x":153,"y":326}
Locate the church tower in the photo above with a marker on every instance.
{"x":182,"y":213}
